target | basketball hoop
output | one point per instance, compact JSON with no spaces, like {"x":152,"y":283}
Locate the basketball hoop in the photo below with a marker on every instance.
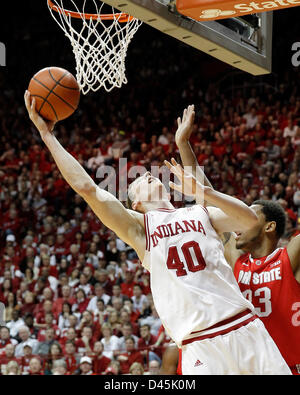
{"x":99,"y":40}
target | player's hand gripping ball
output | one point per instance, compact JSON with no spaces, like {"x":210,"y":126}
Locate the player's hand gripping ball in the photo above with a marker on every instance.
{"x":56,"y":93}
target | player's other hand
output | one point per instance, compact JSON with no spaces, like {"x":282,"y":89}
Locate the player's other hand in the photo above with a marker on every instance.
{"x":185,"y":125}
{"x":188,"y":184}
{"x":43,"y":126}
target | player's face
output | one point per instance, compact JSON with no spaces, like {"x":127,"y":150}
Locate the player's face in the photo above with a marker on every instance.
{"x":148,"y":189}
{"x":245,"y":240}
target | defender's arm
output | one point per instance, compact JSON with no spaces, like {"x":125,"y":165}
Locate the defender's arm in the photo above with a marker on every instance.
{"x":188,"y":157}
{"x":227,"y":214}
{"x":293,"y":250}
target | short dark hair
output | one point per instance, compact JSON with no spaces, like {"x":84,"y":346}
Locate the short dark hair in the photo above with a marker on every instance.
{"x":273,"y":212}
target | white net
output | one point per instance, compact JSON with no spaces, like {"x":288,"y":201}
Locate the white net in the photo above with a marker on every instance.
{"x":99,"y":45}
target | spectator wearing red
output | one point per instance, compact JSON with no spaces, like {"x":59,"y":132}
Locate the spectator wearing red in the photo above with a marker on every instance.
{"x":65,"y":298}
{"x":7,"y":356}
{"x":29,"y":279}
{"x":85,"y":231}
{"x":40,"y":319}
{"x":218,"y":146}
{"x":35,"y":367}
{"x":69,"y":335}
{"x":128,"y":284}
{"x":61,"y":246}
{"x":5,"y":289}
{"x":26,"y":358}
{"x":81,"y":302}
{"x":71,"y":357}
{"x":125,"y":318}
{"x":148,"y":345}
{"x":45,"y":263}
{"x":82,"y":245}
{"x":87,"y":320}
{"x":134,"y":315}
{"x":101,"y":276}
{"x":100,"y":361}
{"x":85,"y":342}
{"x":131,"y":355}
{"x":5,"y":339}
{"x":29,"y":304}
{"x":42,"y":283}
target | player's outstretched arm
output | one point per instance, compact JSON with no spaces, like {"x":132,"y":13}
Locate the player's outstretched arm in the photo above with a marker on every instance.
{"x":189,"y":160}
{"x":293,"y":250}
{"x":228,"y":214}
{"x":128,"y":225}
{"x":182,"y":137}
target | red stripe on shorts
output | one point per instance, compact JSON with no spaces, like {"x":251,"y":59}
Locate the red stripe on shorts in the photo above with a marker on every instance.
{"x":223,"y":331}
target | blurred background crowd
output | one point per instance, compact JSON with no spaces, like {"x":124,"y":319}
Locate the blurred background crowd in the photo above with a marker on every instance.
{"x":77,"y":299}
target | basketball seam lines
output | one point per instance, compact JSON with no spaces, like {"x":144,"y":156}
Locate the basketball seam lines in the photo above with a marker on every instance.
{"x":64,"y":86}
{"x":55,"y":94}
{"x":45,"y":100}
{"x":50,"y":91}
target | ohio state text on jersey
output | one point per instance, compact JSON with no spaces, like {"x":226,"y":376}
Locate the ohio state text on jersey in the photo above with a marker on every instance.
{"x":269,"y":284}
{"x":193,"y":286}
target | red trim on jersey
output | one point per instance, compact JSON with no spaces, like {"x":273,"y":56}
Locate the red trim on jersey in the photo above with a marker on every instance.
{"x":166,"y":209}
{"x":224,"y":331}
{"x":147,"y":232}
{"x":205,"y":209}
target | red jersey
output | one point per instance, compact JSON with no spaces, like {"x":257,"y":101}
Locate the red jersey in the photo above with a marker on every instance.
{"x":270,"y":285}
{"x":100,"y":364}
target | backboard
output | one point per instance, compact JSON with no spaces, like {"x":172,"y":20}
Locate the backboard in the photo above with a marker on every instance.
{"x":242,"y":42}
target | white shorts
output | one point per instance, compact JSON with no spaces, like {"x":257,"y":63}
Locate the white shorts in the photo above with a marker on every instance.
{"x":247,"y":350}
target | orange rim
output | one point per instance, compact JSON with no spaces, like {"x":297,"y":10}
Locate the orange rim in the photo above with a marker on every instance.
{"x":122,"y":17}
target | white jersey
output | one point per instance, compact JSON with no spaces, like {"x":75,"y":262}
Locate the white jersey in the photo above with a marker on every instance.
{"x":193,"y":286}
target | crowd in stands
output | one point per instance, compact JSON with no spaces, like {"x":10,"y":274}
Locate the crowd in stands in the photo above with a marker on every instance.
{"x":77,"y":300}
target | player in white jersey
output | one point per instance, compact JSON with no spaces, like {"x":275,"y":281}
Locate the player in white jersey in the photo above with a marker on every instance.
{"x":193,"y":287}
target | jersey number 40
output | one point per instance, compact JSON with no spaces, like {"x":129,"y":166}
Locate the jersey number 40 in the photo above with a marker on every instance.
{"x":193,"y":258}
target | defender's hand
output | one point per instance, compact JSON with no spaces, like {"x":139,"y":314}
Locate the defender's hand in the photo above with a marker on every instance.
{"x":185,"y":125}
{"x":43,"y":126}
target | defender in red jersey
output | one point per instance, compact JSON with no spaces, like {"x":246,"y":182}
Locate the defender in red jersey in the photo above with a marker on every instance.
{"x":266,"y":276}
{"x":265,"y":273}
{"x":270,"y":285}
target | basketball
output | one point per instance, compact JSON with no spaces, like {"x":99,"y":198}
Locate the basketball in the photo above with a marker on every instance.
{"x":56,"y":92}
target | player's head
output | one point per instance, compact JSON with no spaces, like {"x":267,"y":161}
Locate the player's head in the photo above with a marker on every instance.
{"x":271,"y":225}
{"x":146,"y":189}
